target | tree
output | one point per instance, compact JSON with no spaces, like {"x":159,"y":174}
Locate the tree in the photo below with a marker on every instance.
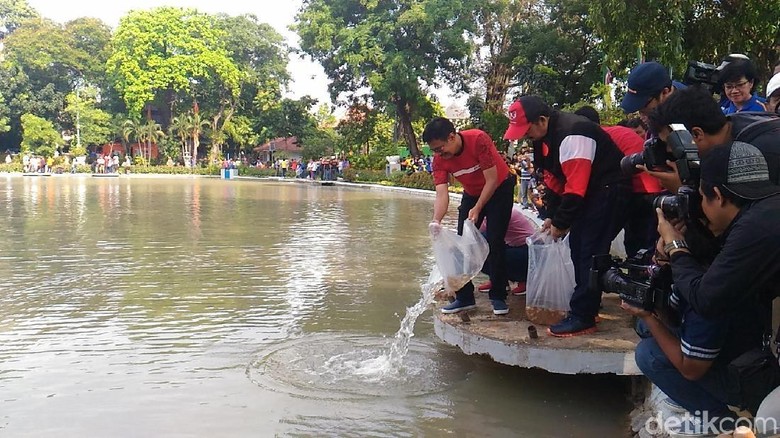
{"x":12,"y":14}
{"x":164,"y":52}
{"x":92,"y":123}
{"x":151,"y":132}
{"x":40,"y":137}
{"x":180,"y":129}
{"x":4,"y":115}
{"x":495,"y":20}
{"x":44,"y":62}
{"x":674,"y":32}
{"x":393,"y":48}
{"x":559,"y":58}
{"x":132,"y":129}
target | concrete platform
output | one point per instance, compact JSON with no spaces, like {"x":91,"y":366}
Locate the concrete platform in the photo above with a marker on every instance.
{"x":505,"y":339}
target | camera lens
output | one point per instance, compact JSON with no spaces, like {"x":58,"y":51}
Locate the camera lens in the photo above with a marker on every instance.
{"x":629,"y":162}
{"x":669,"y":205}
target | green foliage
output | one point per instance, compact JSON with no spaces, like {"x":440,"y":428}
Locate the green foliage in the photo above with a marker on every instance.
{"x":560,"y":58}
{"x":319,"y":143}
{"x":167,"y":50}
{"x":40,"y":137}
{"x":174,"y":170}
{"x":12,"y":14}
{"x":95,"y":124}
{"x":495,"y":125}
{"x":354,"y":174}
{"x":78,"y":151}
{"x":674,"y":32}
{"x":389,"y":48}
{"x":417,"y":180}
{"x":12,"y":167}
{"x":256,"y":172}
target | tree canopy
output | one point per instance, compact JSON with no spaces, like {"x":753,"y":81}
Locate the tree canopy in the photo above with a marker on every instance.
{"x":394,"y":50}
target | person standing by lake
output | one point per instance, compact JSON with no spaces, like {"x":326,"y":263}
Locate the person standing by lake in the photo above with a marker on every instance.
{"x":471,"y":157}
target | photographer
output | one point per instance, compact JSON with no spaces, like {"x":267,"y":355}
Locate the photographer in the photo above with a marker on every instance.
{"x":724,"y":307}
{"x":649,"y":84}
{"x":695,"y":108}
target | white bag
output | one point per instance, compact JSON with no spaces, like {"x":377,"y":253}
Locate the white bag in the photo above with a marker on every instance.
{"x":550,"y":283}
{"x":459,"y":258}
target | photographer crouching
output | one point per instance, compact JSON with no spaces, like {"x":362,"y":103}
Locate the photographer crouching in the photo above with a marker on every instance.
{"x":725,"y":309}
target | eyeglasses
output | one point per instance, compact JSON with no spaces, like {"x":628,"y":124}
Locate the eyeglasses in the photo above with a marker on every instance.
{"x":438,"y":149}
{"x":734,"y":86}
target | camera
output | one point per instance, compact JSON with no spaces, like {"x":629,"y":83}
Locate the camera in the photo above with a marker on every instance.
{"x":702,"y":73}
{"x":686,"y":203}
{"x":653,"y":156}
{"x":637,"y":280}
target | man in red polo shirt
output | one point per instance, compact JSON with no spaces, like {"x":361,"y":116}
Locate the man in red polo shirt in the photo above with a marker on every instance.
{"x":488,"y":191}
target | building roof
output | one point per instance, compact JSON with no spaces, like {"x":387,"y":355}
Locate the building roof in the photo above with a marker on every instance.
{"x":286,"y":144}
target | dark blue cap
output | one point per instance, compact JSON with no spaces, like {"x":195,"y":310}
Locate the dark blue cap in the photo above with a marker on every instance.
{"x":645,"y":81}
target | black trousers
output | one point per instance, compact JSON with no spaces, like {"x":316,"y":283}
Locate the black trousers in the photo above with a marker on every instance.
{"x":601,"y":218}
{"x":498,"y":211}
{"x":641,"y":223}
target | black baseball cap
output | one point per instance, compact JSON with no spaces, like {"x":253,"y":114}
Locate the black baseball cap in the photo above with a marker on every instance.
{"x":645,"y":81}
{"x":739,"y":168}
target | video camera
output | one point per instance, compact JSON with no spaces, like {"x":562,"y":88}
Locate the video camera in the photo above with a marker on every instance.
{"x":637,"y":280}
{"x":702,"y":73}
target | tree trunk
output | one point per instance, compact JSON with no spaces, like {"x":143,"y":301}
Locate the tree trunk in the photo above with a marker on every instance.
{"x":497,"y":83}
{"x":405,"y":126}
{"x":195,"y":144}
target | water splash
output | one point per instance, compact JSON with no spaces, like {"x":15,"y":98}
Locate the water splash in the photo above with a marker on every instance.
{"x":401,"y":343}
{"x":390,"y":363}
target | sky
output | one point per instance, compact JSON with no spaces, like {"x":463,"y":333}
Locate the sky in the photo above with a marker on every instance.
{"x":308,"y":77}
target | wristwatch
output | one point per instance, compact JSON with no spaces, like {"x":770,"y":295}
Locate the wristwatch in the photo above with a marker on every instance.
{"x":675,"y":244}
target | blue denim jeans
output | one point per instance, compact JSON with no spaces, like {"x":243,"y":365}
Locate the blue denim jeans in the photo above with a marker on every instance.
{"x":522,"y":197}
{"x":706,"y":394}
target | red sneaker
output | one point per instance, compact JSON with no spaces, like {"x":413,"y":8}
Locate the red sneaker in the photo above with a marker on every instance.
{"x":519,"y":289}
{"x":485,"y":287}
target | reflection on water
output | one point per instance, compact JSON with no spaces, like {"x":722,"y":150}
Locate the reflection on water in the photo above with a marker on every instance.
{"x":148,"y":307}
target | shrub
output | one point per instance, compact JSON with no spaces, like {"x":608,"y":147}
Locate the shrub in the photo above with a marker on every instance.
{"x":418,"y":180}
{"x":352,"y":174}
{"x":14,"y":166}
{"x":258,"y":172}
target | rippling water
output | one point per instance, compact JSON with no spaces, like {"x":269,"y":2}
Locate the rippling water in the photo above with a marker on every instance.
{"x":200,"y":307}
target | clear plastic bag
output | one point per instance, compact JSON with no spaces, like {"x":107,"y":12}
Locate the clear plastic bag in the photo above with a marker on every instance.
{"x":550,"y":283}
{"x":459,"y":258}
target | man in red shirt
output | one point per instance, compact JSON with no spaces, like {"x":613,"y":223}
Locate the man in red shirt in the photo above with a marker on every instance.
{"x":488,"y":191}
{"x":641,"y":223}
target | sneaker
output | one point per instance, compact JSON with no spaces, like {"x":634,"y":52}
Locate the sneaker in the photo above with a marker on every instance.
{"x":519,"y":289}
{"x":457,"y":306}
{"x":572,"y":326}
{"x":499,"y":307}
{"x":485,"y":287}
{"x":673,"y":406}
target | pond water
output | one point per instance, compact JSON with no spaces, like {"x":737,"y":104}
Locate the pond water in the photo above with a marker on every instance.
{"x":201,"y":307}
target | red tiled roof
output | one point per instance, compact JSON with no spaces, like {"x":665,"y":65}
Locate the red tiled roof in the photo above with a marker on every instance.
{"x":287,"y":144}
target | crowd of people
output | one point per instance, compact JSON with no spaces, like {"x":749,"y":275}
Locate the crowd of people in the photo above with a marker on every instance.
{"x":707,"y":344}
{"x":325,"y":168}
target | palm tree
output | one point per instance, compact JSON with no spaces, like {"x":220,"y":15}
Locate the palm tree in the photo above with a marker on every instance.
{"x":153,"y":133}
{"x":132,"y":130}
{"x":197,"y":124}
{"x":180,"y":127}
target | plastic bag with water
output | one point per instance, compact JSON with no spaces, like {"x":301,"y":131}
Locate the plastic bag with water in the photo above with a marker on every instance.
{"x":459,"y":258}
